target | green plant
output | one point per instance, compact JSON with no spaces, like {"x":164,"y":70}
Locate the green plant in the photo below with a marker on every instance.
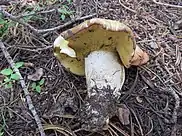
{"x":1,"y":132}
{"x":4,"y":26}
{"x":64,"y":11}
{"x":28,"y":18}
{"x":9,"y":76}
{"x":36,"y":86}
{"x":69,"y":1}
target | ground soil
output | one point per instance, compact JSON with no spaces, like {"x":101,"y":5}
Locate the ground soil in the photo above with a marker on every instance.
{"x":152,"y":92}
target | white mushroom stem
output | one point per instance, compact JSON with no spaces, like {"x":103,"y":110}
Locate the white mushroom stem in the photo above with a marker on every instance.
{"x":102,"y":68}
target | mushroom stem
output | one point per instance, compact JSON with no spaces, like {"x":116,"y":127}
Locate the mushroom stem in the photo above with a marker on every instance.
{"x":104,"y":69}
{"x":104,"y":76}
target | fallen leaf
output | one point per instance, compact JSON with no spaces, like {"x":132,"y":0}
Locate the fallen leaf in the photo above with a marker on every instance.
{"x":123,"y":114}
{"x":37,"y":75}
{"x":139,"y":57}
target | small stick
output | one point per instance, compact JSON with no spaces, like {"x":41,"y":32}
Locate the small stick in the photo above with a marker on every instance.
{"x":168,"y":5}
{"x":137,"y":120}
{"x":118,"y":129}
{"x":133,"y":11}
{"x":36,"y":13}
{"x":13,"y":18}
{"x":24,"y":87}
{"x":38,"y":31}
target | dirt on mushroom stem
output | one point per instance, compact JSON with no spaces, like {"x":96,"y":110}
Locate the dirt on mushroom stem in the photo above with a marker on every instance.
{"x":97,"y":109}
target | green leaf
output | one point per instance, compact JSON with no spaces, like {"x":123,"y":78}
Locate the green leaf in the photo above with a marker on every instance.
{"x":38,"y":89}
{"x":2,"y":22}
{"x":63,"y":17}
{"x":9,"y":85}
{"x":65,"y":7}
{"x":7,"y":79}
{"x":28,"y":18}
{"x":15,"y":76}
{"x":19,"y":64}
{"x":41,"y":82}
{"x":62,"y":11}
{"x":65,"y":10}
{"x":1,"y":133}
{"x":4,"y":26}
{"x":37,"y":8}
{"x":6,"y":72}
{"x":69,"y":1}
{"x":33,"y":85}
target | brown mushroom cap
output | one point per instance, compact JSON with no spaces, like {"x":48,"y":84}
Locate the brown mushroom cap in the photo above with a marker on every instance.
{"x":97,"y":34}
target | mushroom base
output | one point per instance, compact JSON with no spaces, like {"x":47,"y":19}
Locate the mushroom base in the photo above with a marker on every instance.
{"x":97,"y":109}
{"x":105,"y":76}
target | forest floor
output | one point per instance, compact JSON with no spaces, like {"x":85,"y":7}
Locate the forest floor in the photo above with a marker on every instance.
{"x":151,"y":92}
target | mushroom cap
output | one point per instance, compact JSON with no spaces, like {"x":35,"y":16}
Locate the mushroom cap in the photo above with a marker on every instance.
{"x":73,"y":45}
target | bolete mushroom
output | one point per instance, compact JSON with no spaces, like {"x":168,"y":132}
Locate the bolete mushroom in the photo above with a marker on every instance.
{"x":100,"y":50}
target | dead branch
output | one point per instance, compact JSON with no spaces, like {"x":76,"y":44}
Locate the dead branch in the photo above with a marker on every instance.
{"x":118,"y":129}
{"x":133,"y":11}
{"x":38,"y":31}
{"x":175,"y":110}
{"x":166,"y":4}
{"x":13,"y":18}
{"x":36,"y":13}
{"x":24,"y":87}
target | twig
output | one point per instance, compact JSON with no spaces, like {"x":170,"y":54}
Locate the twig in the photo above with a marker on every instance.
{"x":152,"y":127}
{"x":175,"y":110}
{"x":112,"y":131}
{"x":168,"y":5}
{"x":13,"y":18}
{"x":38,"y":31}
{"x":133,"y":11}
{"x":118,"y":129}
{"x":40,"y":12}
{"x":65,"y":25}
{"x":137,"y":120}
{"x":24,"y":87}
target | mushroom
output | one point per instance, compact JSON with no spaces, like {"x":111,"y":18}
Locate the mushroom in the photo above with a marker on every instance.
{"x":100,"y":50}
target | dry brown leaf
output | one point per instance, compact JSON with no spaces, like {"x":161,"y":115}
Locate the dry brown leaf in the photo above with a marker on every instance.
{"x":140,"y":57}
{"x":123,"y":114}
{"x":37,"y":75}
